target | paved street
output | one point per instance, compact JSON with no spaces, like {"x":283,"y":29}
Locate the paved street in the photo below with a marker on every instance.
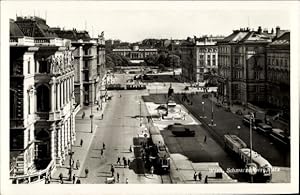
{"x":227,"y":122}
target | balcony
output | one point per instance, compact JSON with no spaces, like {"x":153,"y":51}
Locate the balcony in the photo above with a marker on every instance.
{"x":21,"y":41}
{"x":43,"y":41}
{"x":54,"y":116}
{"x":42,"y":115}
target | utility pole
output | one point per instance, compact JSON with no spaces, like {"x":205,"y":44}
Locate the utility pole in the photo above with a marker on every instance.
{"x":140,"y":113}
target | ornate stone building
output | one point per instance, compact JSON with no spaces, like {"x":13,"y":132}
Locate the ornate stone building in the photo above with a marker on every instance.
{"x":89,"y":64}
{"x":278,"y":73}
{"x":41,"y":99}
{"x":242,"y":66}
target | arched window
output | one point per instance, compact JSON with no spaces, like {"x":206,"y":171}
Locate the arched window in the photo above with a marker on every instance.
{"x":43,"y":99}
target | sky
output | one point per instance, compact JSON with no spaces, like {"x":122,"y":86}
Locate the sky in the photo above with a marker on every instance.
{"x":134,"y":21}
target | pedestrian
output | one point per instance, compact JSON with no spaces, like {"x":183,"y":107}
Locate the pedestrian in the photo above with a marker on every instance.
{"x":78,"y":181}
{"x":200,"y":176}
{"x":101,"y":151}
{"x":118,"y":177}
{"x":101,"y":116}
{"x":103,"y":146}
{"x":60,"y":176}
{"x":125,"y":162}
{"x":205,"y":180}
{"x":118,"y":162}
{"x":77,"y":164}
{"x":195,"y":176}
{"x":83,"y":115}
{"x":128,"y":162}
{"x":130,"y":149}
{"x":152,"y":170}
{"x":72,"y":163}
{"x":126,"y":180}
{"x":81,"y":143}
{"x":205,"y":139}
{"x":74,"y":178}
{"x":86,"y":172}
{"x":112,"y":170}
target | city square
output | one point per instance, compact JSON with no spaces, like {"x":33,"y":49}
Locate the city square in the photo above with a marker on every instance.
{"x":90,"y":104}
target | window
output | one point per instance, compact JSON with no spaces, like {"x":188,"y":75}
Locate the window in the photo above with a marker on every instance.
{"x":28,"y":66}
{"x":43,"y":99}
{"x":86,"y":64}
{"x":236,"y":61}
{"x":44,"y":66}
{"x":256,"y":75}
{"x":28,"y":102}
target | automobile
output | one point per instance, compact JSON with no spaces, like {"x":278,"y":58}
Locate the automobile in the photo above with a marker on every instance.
{"x":183,"y":132}
{"x":239,"y":112}
{"x":218,"y":104}
{"x":262,"y":127}
{"x":280,"y":136}
{"x":246,"y":121}
{"x":186,"y":88}
{"x":205,"y":95}
{"x":174,"y":124}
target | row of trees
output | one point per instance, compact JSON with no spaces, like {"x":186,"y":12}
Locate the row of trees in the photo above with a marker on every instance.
{"x":163,"y":60}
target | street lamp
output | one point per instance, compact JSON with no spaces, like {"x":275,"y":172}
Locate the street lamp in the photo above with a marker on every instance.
{"x":71,"y":135}
{"x":238,"y":128}
{"x":251,"y":166}
{"x":140,"y":103}
{"x":212,"y":112}
{"x":203,"y":114}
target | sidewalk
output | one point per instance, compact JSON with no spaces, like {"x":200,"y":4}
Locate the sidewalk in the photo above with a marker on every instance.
{"x":83,"y":129}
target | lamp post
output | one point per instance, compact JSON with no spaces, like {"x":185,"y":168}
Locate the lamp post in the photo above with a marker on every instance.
{"x":212,"y":112}
{"x":71,"y":136}
{"x":203,"y":114}
{"x":238,"y":128}
{"x":140,"y":103}
{"x":251,"y":166}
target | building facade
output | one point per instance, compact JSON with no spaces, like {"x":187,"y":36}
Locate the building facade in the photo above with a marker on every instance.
{"x":89,"y":54}
{"x":243,"y":66}
{"x":206,"y":57}
{"x":41,"y":100}
{"x":135,"y":53}
{"x":278,"y":73}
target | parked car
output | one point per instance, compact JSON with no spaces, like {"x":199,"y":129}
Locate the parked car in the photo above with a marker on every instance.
{"x":172,"y":125}
{"x":246,"y":121}
{"x":183,"y":132}
{"x":262,"y":127}
{"x":280,"y":136}
{"x":205,"y":95}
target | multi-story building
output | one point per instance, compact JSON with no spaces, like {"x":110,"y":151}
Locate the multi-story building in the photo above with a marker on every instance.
{"x":41,"y":101}
{"x":136,"y":53}
{"x":242,"y":66}
{"x":89,"y":64}
{"x":205,"y":58}
{"x":278,"y":72}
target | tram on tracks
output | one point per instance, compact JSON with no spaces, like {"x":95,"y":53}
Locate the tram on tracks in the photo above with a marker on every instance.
{"x":158,"y":154}
{"x":249,"y":158}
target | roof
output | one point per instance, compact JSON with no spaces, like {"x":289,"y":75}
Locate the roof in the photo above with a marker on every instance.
{"x":34,"y":27}
{"x":257,"y":158}
{"x":247,"y":36}
{"x":282,"y":39}
{"x":14,"y":30}
{"x":236,"y":140}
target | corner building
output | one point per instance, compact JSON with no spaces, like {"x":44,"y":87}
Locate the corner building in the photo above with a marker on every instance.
{"x":41,"y":101}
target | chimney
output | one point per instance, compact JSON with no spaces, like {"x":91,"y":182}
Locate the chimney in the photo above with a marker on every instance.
{"x":205,"y":40}
{"x":272,"y":31}
{"x":259,"y":30}
{"x":277,"y":31}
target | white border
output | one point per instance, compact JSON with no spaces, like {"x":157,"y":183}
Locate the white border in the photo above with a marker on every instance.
{"x":7,"y":188}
